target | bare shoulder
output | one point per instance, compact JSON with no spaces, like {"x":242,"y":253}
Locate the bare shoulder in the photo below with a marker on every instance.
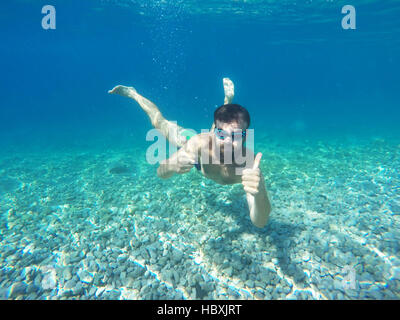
{"x":195,"y":143}
{"x":198,"y":141}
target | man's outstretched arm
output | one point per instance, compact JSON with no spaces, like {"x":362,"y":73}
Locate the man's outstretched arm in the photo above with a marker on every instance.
{"x":256,"y":194}
{"x":181,"y":161}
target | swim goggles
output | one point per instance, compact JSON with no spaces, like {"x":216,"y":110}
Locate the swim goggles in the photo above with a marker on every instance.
{"x":222,"y":134}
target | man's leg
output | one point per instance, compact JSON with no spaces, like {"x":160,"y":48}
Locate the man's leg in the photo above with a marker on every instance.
{"x":174,"y":133}
{"x":229,"y":91}
{"x":169,"y":129}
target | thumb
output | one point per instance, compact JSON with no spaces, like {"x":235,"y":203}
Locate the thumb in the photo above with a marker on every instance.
{"x":257,"y":160}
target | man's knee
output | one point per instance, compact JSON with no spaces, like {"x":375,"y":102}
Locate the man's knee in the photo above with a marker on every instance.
{"x":156,"y":120}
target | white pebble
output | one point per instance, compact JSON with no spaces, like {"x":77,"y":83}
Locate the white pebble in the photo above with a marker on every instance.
{"x":49,"y":281}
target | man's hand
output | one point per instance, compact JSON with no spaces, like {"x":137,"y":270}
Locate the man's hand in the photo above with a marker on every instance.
{"x":251,"y":177}
{"x":180,"y":162}
{"x":256,"y":194}
{"x":183,"y":162}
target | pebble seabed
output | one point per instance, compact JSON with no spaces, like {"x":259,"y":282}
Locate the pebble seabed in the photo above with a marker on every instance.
{"x":100,"y":224}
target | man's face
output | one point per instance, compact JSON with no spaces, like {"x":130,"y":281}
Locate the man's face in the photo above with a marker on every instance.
{"x":228,"y":136}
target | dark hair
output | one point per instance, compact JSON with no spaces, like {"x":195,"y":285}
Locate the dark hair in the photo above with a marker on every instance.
{"x":231,"y":112}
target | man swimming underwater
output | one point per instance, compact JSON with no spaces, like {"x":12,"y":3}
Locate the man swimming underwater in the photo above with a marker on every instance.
{"x":207,"y":151}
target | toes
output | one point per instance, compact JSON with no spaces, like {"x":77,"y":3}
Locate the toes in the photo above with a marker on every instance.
{"x":114,"y":90}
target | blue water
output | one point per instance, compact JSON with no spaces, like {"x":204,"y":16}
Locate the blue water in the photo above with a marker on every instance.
{"x":284,"y":70}
{"x":320,"y":98}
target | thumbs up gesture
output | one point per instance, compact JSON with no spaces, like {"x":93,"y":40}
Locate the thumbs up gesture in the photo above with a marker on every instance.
{"x":251,"y":177}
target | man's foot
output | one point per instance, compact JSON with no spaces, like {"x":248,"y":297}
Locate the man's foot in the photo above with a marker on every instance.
{"x":149,"y":107}
{"x":124,"y":91}
{"x":229,"y":90}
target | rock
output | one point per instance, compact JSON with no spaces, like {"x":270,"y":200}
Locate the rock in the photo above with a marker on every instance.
{"x":291,"y":270}
{"x":32,"y":289}
{"x":338,"y":285}
{"x":389,"y":236}
{"x":249,"y":283}
{"x":99,"y":292}
{"x":177,"y":256}
{"x":152,"y":253}
{"x":176,"y":276}
{"x":286,"y":243}
{"x":229,"y":271}
{"x":98,"y":280}
{"x":112,"y":295}
{"x":207,"y":286}
{"x":38,"y":279}
{"x":123,"y":276}
{"x":49,"y":281}
{"x":233,"y":293}
{"x":17,"y":289}
{"x":144,"y":290}
{"x":78,"y":289}
{"x":396,"y":273}
{"x":388,"y":295}
{"x":144,"y":253}
{"x":395,"y":208}
{"x":67,"y":275}
{"x":193,"y":295}
{"x":92,"y":291}
{"x":369,"y":187}
{"x":259,"y":295}
{"x":299,"y":276}
{"x":375,"y":292}
{"x":286,"y":289}
{"x":93,"y":266}
{"x":352,"y":293}
{"x":70,"y":284}
{"x":326,"y":283}
{"x":67,"y":294}
{"x":85,"y":276}
{"x":306,"y":257}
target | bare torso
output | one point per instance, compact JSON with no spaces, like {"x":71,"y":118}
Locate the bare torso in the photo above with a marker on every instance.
{"x":213,"y":168}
